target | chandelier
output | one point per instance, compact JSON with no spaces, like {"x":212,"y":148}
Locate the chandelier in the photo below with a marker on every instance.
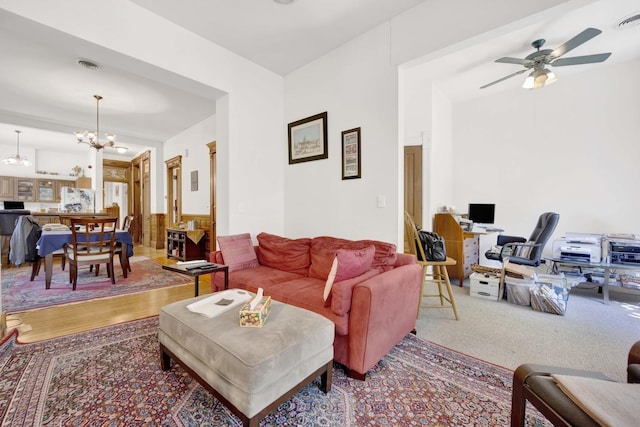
{"x":17,"y":159}
{"x":92,"y":138}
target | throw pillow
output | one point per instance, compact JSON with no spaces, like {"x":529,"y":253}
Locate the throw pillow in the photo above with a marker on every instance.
{"x":238,"y":252}
{"x":348,"y":264}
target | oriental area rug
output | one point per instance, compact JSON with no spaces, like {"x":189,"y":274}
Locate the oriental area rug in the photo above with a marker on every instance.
{"x":112,"y":376}
{"x":20,"y":294}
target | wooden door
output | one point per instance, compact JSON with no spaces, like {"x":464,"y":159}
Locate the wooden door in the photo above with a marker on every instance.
{"x":146,"y":200}
{"x":174,"y":191}
{"x":413,"y":185}
{"x":136,"y":202}
{"x":212,"y":194}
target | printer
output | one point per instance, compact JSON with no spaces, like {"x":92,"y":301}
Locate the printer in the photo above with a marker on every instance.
{"x":580,"y":247}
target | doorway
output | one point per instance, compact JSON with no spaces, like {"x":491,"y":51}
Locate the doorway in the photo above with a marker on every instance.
{"x":116,"y":178}
{"x":141,"y":198}
{"x":174,"y":191}
{"x":212,"y":194}
{"x":413,"y":185}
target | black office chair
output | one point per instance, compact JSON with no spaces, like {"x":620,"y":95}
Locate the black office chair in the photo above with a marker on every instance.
{"x":522,"y":251}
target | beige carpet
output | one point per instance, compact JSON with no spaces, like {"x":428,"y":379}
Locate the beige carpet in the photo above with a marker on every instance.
{"x":591,"y":335}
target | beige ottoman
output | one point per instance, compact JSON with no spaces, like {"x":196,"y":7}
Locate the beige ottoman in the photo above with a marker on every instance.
{"x":250,"y":370}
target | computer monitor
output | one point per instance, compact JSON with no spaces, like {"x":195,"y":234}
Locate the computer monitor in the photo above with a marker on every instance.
{"x":10,"y":204}
{"x":482,"y":213}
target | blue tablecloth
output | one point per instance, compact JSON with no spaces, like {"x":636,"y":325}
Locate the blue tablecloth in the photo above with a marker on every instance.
{"x":51,"y":241}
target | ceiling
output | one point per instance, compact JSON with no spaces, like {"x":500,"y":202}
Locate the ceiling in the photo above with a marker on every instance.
{"x":460,"y":74}
{"x":48,"y":95}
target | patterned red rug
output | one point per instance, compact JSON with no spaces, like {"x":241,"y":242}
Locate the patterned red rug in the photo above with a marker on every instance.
{"x":20,"y":294}
{"x":112,"y":376}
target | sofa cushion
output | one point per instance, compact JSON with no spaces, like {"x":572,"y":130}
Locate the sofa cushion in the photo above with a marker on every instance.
{"x":306,"y":292}
{"x":348,"y":264}
{"x":323,"y":250}
{"x":385,"y":256}
{"x":251,"y":279}
{"x":290,"y":255}
{"x":238,"y":252}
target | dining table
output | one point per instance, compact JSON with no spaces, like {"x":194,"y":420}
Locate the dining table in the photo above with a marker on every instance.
{"x":53,"y":240}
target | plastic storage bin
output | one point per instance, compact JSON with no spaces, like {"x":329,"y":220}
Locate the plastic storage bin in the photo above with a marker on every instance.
{"x":518,"y":290}
{"x":550,"y":295}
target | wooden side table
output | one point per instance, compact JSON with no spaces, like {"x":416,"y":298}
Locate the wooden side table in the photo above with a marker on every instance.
{"x":185,"y":245}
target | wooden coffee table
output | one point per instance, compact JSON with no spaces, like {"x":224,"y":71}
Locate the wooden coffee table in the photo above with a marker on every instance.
{"x":206,"y":268}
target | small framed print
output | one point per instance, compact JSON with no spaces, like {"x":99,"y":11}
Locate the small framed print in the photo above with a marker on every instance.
{"x":194,"y":180}
{"x":351,"y":154}
{"x":308,"y":139}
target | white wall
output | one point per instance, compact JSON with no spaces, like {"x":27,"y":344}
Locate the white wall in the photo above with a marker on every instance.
{"x":571,"y":147}
{"x":357,"y":87}
{"x":191,"y":144}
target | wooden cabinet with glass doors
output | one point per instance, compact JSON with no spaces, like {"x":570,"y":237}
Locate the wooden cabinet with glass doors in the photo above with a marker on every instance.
{"x":25,"y":189}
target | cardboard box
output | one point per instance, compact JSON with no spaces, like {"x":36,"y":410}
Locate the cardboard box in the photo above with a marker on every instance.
{"x":521,"y":270}
{"x":257,"y":317}
{"x":484,"y":285}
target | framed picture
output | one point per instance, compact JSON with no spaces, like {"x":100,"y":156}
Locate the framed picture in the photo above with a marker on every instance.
{"x":351,"y":154}
{"x":308,"y":139}
{"x":194,"y":180}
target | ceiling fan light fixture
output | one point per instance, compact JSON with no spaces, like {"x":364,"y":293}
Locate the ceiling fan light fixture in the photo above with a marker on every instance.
{"x":538,"y":78}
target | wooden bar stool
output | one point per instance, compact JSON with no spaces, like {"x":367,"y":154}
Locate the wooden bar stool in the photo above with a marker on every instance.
{"x":437,"y":274}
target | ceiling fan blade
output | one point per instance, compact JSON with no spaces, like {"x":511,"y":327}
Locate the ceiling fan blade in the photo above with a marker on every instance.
{"x":581,"y":38}
{"x":504,"y":78}
{"x":507,"y":60}
{"x":577,"y":60}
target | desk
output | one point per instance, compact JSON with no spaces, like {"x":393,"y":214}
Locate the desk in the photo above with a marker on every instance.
{"x":196,"y":273}
{"x":606,"y":266}
{"x":51,"y":241}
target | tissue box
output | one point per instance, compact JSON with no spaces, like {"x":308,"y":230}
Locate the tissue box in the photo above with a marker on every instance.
{"x":255,"y":318}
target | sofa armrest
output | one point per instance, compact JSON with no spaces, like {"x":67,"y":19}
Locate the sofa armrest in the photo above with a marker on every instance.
{"x":216,"y":257}
{"x":383,"y":311}
{"x":405,"y":259}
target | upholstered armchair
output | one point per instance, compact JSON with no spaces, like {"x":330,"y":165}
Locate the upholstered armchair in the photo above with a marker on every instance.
{"x":535,"y":384}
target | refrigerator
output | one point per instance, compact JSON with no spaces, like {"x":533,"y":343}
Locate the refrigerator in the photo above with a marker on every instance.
{"x":77,"y":200}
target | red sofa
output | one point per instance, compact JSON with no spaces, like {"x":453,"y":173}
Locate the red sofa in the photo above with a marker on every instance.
{"x":372,"y":312}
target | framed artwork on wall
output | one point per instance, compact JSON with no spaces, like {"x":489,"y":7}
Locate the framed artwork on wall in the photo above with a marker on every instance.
{"x":308,"y":139}
{"x":351,"y":154}
{"x":194,"y":180}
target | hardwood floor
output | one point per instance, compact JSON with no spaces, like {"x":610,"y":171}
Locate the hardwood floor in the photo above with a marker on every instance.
{"x":56,"y":321}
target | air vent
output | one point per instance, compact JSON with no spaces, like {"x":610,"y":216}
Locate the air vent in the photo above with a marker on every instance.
{"x":88,"y":64}
{"x":629,"y":21}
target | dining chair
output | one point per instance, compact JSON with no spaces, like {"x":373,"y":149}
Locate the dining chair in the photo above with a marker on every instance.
{"x":92,"y":243}
{"x":433,"y":272}
{"x":121,"y":249}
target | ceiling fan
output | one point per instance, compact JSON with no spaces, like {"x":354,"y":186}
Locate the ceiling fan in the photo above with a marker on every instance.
{"x":537,"y":61}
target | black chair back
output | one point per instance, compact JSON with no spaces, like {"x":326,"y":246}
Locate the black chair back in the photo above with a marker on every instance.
{"x":542,"y":232}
